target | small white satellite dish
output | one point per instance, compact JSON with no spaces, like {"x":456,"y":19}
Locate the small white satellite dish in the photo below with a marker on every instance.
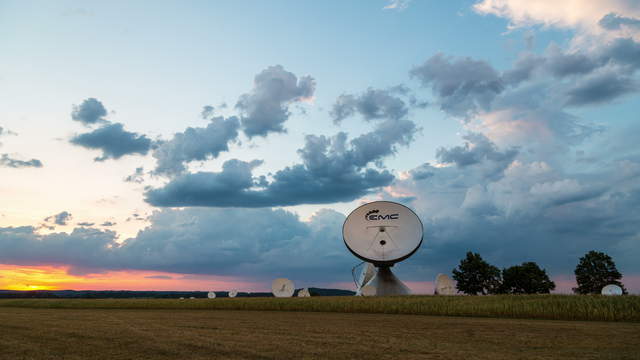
{"x":383,"y":233}
{"x":304,"y":293}
{"x":191,"y":297}
{"x":444,"y":285}
{"x":612,"y":290}
{"x":211,"y":295}
{"x":233,"y":293}
{"x":282,"y":287}
{"x":181,"y":298}
{"x":368,"y":290}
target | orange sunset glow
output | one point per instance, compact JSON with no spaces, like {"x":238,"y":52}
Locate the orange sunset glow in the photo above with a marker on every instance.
{"x":20,"y":277}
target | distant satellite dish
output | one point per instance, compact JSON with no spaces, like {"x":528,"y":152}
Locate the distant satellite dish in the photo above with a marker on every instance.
{"x":282,"y":287}
{"x":383,"y":233}
{"x":211,"y":295}
{"x":191,"y":297}
{"x":181,"y":298}
{"x":612,"y":290}
{"x":233,"y":293}
{"x":444,"y":285}
{"x":368,"y":290}
{"x":304,"y":293}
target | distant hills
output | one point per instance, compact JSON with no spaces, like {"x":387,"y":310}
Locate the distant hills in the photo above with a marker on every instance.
{"x":126,"y":294}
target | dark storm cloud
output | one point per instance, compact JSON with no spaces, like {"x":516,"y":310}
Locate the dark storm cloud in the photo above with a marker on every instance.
{"x":90,"y":111}
{"x":463,"y":86}
{"x":113,"y":141}
{"x":266,"y":108}
{"x":259,"y":243}
{"x":61,"y":218}
{"x":195,"y":144}
{"x":613,"y":21}
{"x":7,"y":161}
{"x":333,"y":170}
{"x":372,"y":104}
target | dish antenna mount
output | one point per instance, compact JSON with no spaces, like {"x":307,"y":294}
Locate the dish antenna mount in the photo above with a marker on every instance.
{"x":383,"y":233}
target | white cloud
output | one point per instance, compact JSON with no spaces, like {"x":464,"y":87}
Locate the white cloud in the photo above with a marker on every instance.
{"x":574,"y":14}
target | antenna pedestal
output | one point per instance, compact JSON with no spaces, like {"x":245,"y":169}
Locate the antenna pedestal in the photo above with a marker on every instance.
{"x":387,"y":284}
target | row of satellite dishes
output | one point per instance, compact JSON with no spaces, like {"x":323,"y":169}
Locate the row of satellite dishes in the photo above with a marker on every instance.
{"x":280,"y":287}
{"x":381,"y":234}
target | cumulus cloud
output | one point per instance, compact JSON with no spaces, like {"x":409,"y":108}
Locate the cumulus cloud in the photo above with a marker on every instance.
{"x":266,"y":108}
{"x":5,"y":132}
{"x":463,"y":86}
{"x":333,"y":170}
{"x":108,"y":223}
{"x":85,"y":224}
{"x":195,"y":144}
{"x":476,"y":149}
{"x":572,"y":14}
{"x":613,"y":21}
{"x":261,"y":243}
{"x":372,"y":104}
{"x":207,"y":111}
{"x":61,"y":218}
{"x":397,"y":5}
{"x":602,"y":86}
{"x":113,"y":141}
{"x":7,"y":161}
{"x":137,"y":176}
{"x":89,"y":112}
{"x":533,"y":210}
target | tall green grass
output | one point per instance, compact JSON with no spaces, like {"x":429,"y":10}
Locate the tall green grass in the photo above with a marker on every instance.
{"x":553,"y":307}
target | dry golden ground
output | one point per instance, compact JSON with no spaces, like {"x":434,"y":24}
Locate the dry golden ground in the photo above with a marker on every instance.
{"x":206,"y":334}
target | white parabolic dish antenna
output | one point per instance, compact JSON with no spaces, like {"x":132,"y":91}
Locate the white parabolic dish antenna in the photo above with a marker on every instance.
{"x":444,"y":285}
{"x":282,"y":287}
{"x":211,"y":295}
{"x":233,"y":293}
{"x":382,"y":232}
{"x":611,"y":290}
{"x":304,"y":293}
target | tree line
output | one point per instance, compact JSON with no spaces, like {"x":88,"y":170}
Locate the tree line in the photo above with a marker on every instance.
{"x":475,"y":276}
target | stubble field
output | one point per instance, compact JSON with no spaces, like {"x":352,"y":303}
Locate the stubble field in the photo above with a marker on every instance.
{"x":38,"y":333}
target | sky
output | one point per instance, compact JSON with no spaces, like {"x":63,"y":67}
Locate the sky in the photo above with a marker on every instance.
{"x":212,"y":145}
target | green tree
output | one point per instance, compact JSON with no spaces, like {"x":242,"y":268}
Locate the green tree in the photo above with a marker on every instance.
{"x":527,"y":278}
{"x":594,"y":271}
{"x":475,"y":276}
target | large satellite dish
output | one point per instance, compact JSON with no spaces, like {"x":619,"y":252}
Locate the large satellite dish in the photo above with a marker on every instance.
{"x":233,"y":293}
{"x":612,"y":290}
{"x":444,"y":285}
{"x":211,"y":295}
{"x":282,"y":287}
{"x":383,"y":233}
